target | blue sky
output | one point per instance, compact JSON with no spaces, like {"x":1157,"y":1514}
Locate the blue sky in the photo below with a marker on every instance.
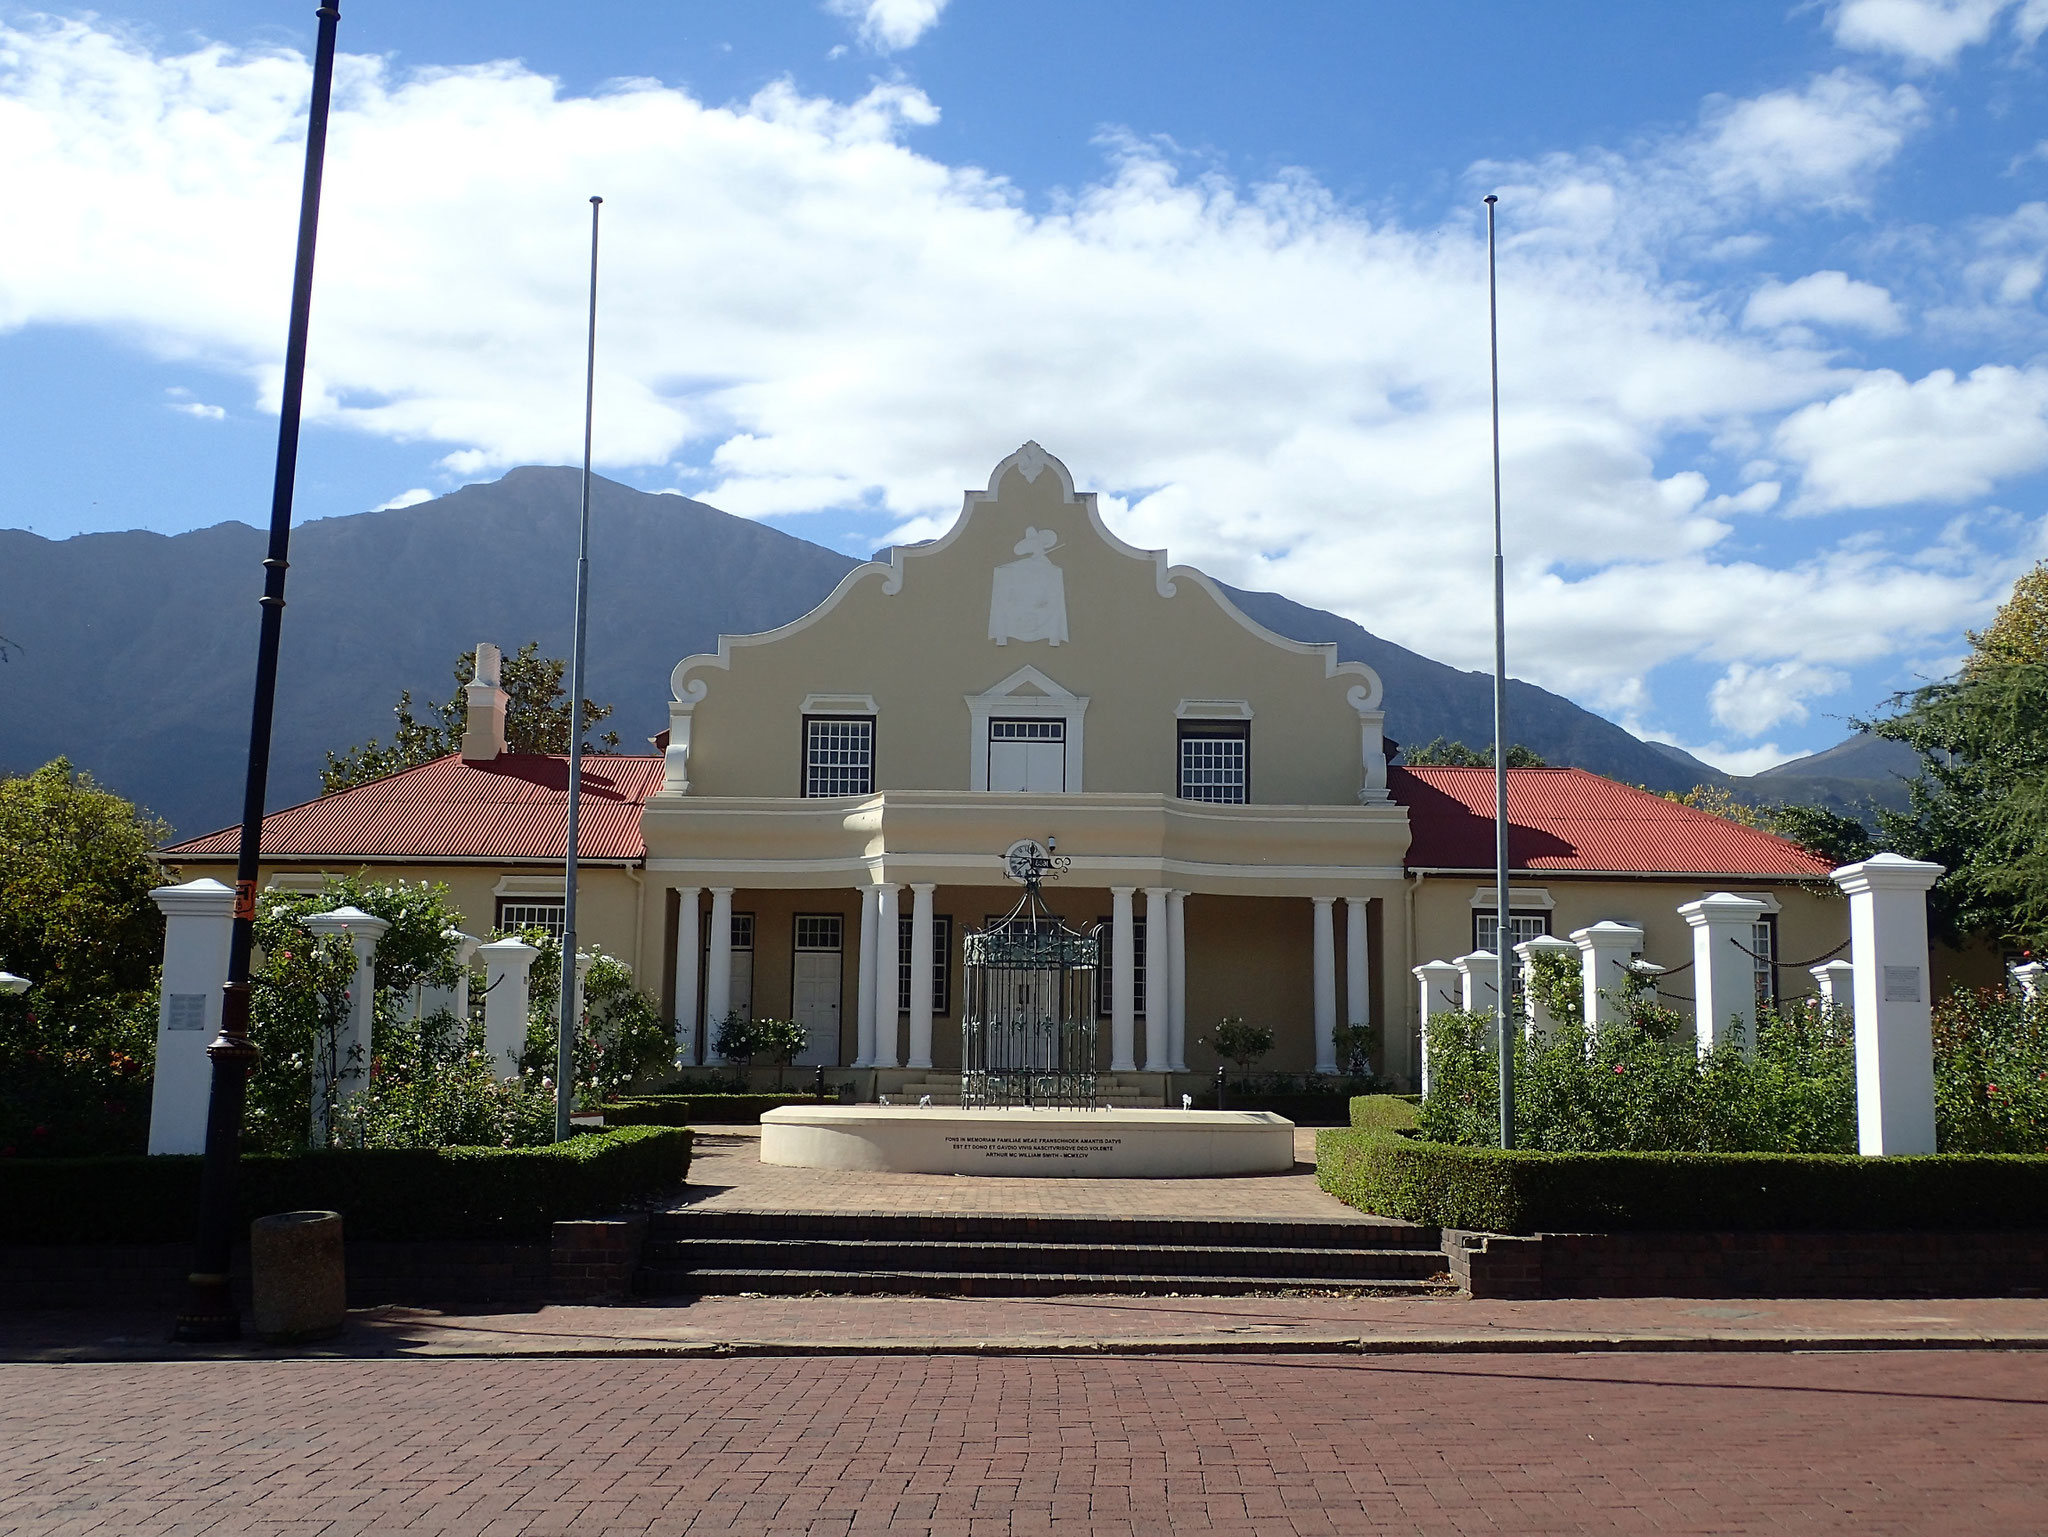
{"x":1775,"y":354}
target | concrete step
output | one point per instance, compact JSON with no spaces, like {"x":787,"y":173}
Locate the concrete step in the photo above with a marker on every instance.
{"x":947,"y":1283}
{"x":683,"y":1257}
{"x":905,"y":1227}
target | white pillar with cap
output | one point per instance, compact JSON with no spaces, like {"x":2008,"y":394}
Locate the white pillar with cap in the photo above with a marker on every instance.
{"x":718,"y":970}
{"x":888,"y":997}
{"x":1537,"y":1020}
{"x":199,"y":920}
{"x":508,"y":967}
{"x":1438,"y":982}
{"x":1605,"y":950}
{"x":688,"y":926}
{"x":1835,"y":981}
{"x":2029,"y":978}
{"x":349,"y":1070}
{"x":1894,"y":1015}
{"x":1723,"y":968}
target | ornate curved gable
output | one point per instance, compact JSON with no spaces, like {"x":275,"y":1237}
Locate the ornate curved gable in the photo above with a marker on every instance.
{"x":1028,"y":608}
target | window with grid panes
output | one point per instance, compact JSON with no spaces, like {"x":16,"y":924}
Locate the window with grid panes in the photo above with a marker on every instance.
{"x":1215,"y":763}
{"x":818,"y":931}
{"x":1763,"y":947}
{"x":519,"y":913}
{"x":1522,"y":927}
{"x":942,"y":972}
{"x":839,"y":755}
{"x":1105,"y":972}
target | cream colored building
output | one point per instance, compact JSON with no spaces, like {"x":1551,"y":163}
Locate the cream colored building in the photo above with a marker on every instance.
{"x":835,"y":798}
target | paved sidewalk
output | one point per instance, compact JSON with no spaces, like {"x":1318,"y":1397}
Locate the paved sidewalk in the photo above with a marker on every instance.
{"x":724,"y":1326}
{"x":1867,"y":1444}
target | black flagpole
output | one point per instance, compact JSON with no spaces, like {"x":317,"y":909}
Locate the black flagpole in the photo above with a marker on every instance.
{"x":565,"y":1039}
{"x":1503,"y":952}
{"x":209,"y":1311}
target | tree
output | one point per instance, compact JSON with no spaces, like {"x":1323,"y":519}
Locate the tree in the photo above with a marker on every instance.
{"x":536,"y":721}
{"x":77,"y":920}
{"x":1439,"y":753}
{"x":1980,"y":805}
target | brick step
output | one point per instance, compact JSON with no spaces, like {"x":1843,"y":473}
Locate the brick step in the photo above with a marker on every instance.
{"x":690,"y":1223}
{"x":680,"y":1258}
{"x":656,"y":1284}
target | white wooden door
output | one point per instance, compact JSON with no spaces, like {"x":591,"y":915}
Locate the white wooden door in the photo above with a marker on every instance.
{"x":814,"y":987}
{"x":1027,"y":755}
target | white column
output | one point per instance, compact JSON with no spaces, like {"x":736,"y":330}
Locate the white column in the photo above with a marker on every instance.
{"x":1177,"y":967}
{"x":1123,"y":981}
{"x":2029,"y":978}
{"x":1325,"y":985}
{"x":508,"y":964}
{"x":1158,"y":982}
{"x":1605,"y":950}
{"x":1894,"y":1033}
{"x":864,"y":980}
{"x":351,"y":1065}
{"x":1438,"y":981}
{"x":718,"y":970}
{"x":455,"y":1000}
{"x":1536,"y":1019}
{"x":1836,"y":982}
{"x":1357,"y":986}
{"x":688,"y":927}
{"x":199,"y":919}
{"x":584,"y":958}
{"x":1480,"y":977}
{"x":888,"y":947}
{"x":921,"y":975}
{"x":1723,"y":968}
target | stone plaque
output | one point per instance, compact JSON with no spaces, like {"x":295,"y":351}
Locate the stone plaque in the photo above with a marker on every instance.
{"x":186,"y":1011}
{"x":1902,"y":984}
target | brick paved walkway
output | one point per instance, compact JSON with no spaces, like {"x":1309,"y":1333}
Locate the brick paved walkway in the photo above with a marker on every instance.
{"x":726,"y":1172}
{"x":1878,"y":1443}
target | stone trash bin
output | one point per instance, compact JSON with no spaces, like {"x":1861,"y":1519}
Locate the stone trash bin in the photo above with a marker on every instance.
{"x":297,"y":1273}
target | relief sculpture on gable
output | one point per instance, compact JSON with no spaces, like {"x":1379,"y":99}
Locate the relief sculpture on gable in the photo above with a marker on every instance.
{"x":1029,"y":597}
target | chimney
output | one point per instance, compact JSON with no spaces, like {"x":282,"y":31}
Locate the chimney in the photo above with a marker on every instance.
{"x":483,"y":737}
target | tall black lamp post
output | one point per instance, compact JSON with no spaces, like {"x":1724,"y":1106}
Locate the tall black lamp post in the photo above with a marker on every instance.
{"x":209,"y":1311}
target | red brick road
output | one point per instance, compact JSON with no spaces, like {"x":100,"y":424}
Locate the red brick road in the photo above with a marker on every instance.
{"x":1909,"y":1443}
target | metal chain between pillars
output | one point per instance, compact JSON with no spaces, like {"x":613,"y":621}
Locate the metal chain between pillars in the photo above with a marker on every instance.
{"x":209,"y":1311}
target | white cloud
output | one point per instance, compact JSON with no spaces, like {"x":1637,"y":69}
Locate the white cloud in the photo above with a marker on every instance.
{"x":800,"y":312}
{"x":1827,"y":298}
{"x":1731,"y":760}
{"x":1921,"y":31}
{"x":1886,"y":442}
{"x":1752,"y":699}
{"x":889,"y":26}
{"x":204,"y":412}
{"x":410,"y":498}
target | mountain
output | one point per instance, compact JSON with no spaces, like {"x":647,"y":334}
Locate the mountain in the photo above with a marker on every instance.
{"x":1851,"y":776}
{"x":136,"y":650}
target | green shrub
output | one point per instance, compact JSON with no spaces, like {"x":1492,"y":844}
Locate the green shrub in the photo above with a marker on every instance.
{"x":622,"y":1036}
{"x":1526,"y":1192}
{"x":1242,"y":1043}
{"x":1384,"y":1112}
{"x":1991,"y":1072}
{"x":449,"y":1192}
{"x":1640,"y":1087}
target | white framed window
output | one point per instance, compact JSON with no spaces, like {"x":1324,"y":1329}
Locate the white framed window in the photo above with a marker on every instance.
{"x":1028,"y":755}
{"x":1763,"y":947}
{"x":839,"y":755}
{"x":819,"y":931}
{"x":1105,"y":971}
{"x":548,"y":914}
{"x":942,"y":954}
{"x":1522,"y":927}
{"x":1215,"y":762}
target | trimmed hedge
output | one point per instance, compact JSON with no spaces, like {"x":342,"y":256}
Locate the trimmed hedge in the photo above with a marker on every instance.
{"x":1386,"y":1112}
{"x":382,"y":1193}
{"x":699,"y":1109}
{"x":1443,"y":1185}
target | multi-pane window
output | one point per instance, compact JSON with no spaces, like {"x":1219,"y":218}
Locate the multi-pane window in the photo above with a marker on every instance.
{"x":1105,"y":973}
{"x":942,"y":973}
{"x":1763,"y":947}
{"x":517,"y":914}
{"x":1522,"y":927}
{"x":1215,"y":763}
{"x":1027,"y":755}
{"x":820,"y":931}
{"x":839,"y":755}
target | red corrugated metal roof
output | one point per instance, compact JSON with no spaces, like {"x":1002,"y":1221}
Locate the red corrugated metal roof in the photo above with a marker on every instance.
{"x":1568,"y":819}
{"x":514,"y":807}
